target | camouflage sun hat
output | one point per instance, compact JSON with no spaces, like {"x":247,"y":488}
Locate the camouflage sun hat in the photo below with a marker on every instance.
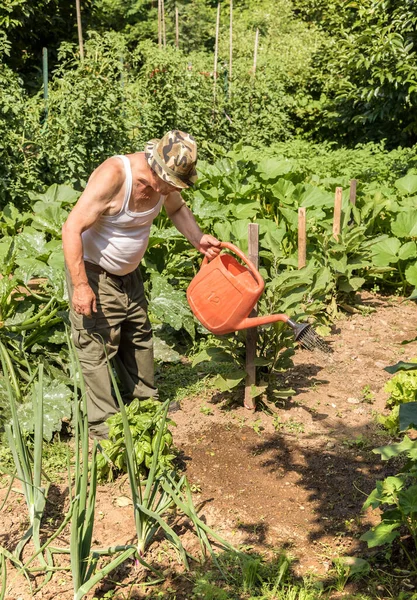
{"x":173,"y":158}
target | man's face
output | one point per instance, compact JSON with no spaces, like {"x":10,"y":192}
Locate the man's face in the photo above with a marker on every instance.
{"x":161,"y":186}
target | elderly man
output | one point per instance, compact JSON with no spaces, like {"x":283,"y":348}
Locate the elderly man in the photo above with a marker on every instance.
{"x":104,"y":240}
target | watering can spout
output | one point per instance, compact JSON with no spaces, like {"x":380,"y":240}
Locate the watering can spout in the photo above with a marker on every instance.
{"x":259,"y":321}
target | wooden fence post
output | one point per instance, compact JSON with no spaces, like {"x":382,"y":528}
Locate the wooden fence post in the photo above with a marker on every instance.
{"x":164,"y":38}
{"x":252,"y":333}
{"x":216,"y":53}
{"x":177,"y":28}
{"x":255,"y":51}
{"x":352,"y":191}
{"x":337,"y":214}
{"x":159,"y":24}
{"x":231,"y":49}
{"x":302,"y":238}
{"x":80,"y":29}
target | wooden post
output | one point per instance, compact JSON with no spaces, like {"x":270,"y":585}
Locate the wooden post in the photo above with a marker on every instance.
{"x":337,"y":214}
{"x":255,"y":52}
{"x":80,"y":29}
{"x":231,"y":49}
{"x":302,"y":238}
{"x":216,"y":53}
{"x":352,"y":192}
{"x":164,"y":38}
{"x":252,"y":333}
{"x":177,"y":29}
{"x":159,"y":25}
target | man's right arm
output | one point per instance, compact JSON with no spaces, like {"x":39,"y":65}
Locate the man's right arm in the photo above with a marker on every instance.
{"x":103,"y":186}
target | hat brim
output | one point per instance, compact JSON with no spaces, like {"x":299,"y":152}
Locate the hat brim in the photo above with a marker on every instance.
{"x":175,"y":181}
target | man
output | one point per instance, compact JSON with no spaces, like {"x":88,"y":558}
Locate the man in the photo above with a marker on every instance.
{"x":104,"y":240}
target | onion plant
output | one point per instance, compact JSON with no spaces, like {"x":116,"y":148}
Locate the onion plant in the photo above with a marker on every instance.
{"x":83,"y":558}
{"x":161,"y":491}
{"x":28,"y":468}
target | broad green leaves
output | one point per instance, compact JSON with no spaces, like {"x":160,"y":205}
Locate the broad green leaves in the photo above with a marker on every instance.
{"x":169,"y":305}
{"x":405,"y":224}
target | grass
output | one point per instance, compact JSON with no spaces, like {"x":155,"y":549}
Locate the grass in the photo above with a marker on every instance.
{"x":180,"y":381}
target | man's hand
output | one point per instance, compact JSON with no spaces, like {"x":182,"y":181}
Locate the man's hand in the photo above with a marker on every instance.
{"x":84,"y":300}
{"x":209,"y":246}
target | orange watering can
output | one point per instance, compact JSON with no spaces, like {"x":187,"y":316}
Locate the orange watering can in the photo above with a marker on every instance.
{"x":224,"y":292}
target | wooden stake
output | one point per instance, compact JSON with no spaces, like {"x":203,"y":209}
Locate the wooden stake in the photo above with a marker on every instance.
{"x":163,"y":22}
{"x":337,"y":214}
{"x":80,"y":29}
{"x":216,"y":52}
{"x":159,"y":25}
{"x":255,"y":52}
{"x":352,"y":193}
{"x":302,"y":238}
{"x":177,"y":29}
{"x":231,"y":49}
{"x":252,"y":333}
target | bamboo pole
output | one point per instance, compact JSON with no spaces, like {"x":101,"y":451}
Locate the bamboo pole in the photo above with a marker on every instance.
{"x":216,"y":53}
{"x":337,"y":214}
{"x":231,"y":49}
{"x":80,"y":29}
{"x":45,"y":79}
{"x":352,"y":191}
{"x":302,"y":238}
{"x":164,"y":38}
{"x":159,"y":25}
{"x":177,"y":29}
{"x":255,"y":51}
{"x":252,"y":333}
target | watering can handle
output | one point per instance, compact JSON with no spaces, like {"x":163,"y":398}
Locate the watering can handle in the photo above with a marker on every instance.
{"x":244,"y":258}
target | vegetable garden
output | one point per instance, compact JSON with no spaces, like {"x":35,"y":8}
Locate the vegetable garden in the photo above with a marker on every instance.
{"x":313,"y":495}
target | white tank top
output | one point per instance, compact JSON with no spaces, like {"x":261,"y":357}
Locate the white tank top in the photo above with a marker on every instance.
{"x":118,"y":242}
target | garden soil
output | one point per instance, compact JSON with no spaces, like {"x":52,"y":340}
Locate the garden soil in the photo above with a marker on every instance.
{"x":291,"y":476}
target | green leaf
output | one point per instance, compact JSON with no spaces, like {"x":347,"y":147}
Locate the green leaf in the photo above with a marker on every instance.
{"x":227,"y":383}
{"x":386,"y":252}
{"x":381,"y":534}
{"x":401,"y":366}
{"x":408,"y":415}
{"x":405,"y":225}
{"x":56,"y":405}
{"x":257,"y":390}
{"x":163,"y":352}
{"x":170,"y":305}
{"x":213,"y":354}
{"x":411,"y":274}
{"x":407,"y":184}
{"x":271,"y":168}
{"x":408,"y":250}
{"x":356,"y":565}
{"x":392,"y":450}
{"x":408,"y":500}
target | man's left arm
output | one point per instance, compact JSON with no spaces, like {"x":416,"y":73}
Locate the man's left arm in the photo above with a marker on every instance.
{"x":185,"y":222}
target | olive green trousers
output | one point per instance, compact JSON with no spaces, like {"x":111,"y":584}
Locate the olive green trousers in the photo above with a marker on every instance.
{"x":121,"y":328}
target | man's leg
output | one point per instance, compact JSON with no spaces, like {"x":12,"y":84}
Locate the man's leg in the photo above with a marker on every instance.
{"x":135,"y":358}
{"x":93,"y":360}
{"x":93,"y":337}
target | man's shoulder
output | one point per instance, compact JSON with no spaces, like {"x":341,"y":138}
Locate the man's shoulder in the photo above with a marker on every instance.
{"x":110,"y":167}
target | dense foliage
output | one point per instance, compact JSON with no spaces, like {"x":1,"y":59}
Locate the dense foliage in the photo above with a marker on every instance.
{"x":324,"y":71}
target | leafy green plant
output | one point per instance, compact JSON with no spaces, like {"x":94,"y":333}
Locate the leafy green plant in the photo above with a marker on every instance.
{"x":145,"y":418}
{"x":402,"y":389}
{"x":396,"y":497}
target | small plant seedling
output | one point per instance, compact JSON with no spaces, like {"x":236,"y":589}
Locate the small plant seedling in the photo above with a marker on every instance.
{"x":367,"y":395}
{"x":206,"y":410}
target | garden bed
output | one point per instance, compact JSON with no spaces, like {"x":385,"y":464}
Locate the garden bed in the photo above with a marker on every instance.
{"x":295,"y":478}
